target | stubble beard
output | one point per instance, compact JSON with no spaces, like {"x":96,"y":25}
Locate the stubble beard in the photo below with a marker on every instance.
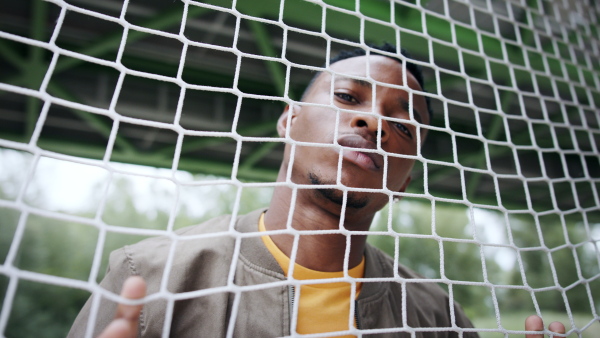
{"x":353,"y":200}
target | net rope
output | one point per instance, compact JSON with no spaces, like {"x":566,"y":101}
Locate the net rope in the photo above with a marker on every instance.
{"x":557,"y":20}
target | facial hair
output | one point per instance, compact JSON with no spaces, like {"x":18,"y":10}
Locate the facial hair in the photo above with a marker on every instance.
{"x":336,"y":196}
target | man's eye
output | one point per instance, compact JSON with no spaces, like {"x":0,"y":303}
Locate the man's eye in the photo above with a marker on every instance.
{"x":346,"y":97}
{"x":403,"y":129}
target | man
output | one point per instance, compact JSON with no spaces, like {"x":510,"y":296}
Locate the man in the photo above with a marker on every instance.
{"x":356,"y":132}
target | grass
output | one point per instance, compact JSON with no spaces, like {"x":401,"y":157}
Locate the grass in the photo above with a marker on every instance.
{"x":516,"y":320}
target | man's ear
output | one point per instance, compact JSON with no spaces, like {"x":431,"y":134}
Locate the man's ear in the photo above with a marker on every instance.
{"x":286,"y":119}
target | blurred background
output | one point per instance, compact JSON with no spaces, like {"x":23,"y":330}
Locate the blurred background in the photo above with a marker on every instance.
{"x":509,"y":174}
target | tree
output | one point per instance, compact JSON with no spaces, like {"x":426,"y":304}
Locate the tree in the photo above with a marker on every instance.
{"x":559,"y":243}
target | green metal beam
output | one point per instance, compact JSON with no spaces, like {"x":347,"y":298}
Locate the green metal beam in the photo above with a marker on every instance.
{"x":39,"y":17}
{"x":469,"y":159}
{"x":493,"y":133}
{"x":258,"y":129}
{"x":311,"y":15}
{"x":542,"y":201}
{"x":196,"y":144}
{"x":32,"y":111}
{"x":108,"y":43}
{"x":111,"y":41}
{"x":270,"y":8}
{"x":201,"y":143}
{"x":11,"y":56}
{"x":278,"y":75}
{"x":263,"y":41}
{"x":266,"y":9}
{"x":478,"y":158}
{"x":375,"y":9}
{"x":258,"y":154}
{"x":35,"y":68}
{"x":91,"y":119}
{"x":344,"y":4}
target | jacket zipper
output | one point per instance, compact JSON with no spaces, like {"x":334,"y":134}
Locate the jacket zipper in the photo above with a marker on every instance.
{"x":356,"y":315}
{"x":291,"y":295}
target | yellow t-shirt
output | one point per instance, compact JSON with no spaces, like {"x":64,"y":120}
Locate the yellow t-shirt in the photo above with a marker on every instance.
{"x":323,"y":307}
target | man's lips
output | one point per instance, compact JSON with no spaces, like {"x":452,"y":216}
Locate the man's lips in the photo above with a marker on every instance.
{"x":369,"y":160}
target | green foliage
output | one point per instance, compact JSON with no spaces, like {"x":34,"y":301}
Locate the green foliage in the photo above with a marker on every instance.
{"x":57,"y":248}
{"x":51,"y":247}
{"x":43,"y":310}
{"x":9,"y":219}
{"x":563,"y":247}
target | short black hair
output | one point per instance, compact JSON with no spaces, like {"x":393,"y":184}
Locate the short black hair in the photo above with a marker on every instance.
{"x":414,"y":69}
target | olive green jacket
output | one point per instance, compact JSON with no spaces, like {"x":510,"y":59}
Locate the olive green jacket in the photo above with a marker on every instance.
{"x":253,"y":294}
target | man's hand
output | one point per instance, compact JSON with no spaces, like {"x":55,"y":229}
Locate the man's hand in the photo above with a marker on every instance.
{"x":125,"y":324}
{"x":535,"y":323}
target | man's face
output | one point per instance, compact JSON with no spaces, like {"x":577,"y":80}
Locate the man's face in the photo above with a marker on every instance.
{"x":375,"y":127}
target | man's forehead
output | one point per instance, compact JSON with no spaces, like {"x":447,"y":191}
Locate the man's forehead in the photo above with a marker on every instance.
{"x":359,"y":63}
{"x":376,"y":67}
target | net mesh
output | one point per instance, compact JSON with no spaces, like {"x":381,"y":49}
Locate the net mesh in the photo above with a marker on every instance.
{"x":513,"y":144}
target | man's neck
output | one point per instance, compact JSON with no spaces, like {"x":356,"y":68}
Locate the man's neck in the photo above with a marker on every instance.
{"x":317,"y":252}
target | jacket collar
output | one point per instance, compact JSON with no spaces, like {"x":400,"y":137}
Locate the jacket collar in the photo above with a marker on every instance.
{"x":252,"y":248}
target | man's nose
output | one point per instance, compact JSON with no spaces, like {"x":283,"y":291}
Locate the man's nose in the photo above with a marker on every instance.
{"x":370,"y":125}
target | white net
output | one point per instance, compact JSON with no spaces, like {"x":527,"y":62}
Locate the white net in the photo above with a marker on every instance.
{"x":502,"y":211}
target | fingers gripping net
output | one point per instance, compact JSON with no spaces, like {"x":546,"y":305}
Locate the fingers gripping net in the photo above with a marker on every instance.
{"x":504,"y":196}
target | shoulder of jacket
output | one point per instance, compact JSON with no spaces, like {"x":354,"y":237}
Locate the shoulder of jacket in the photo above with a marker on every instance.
{"x":215,"y":225}
{"x":153,"y":252}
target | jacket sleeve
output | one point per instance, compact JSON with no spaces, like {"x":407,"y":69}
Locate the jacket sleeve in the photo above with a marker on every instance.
{"x":120,"y":267}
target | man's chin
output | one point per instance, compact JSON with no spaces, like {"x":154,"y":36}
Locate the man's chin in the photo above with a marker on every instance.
{"x":354,"y":200}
